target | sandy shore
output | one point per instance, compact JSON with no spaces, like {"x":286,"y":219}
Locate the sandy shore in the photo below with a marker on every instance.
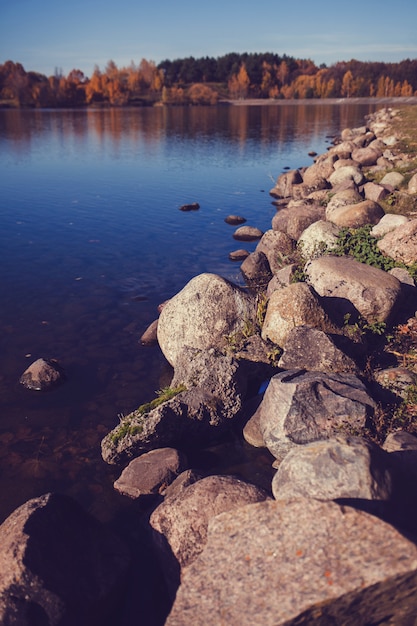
{"x":270,"y":101}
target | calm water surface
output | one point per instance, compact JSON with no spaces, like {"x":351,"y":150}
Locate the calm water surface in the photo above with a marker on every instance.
{"x":92,"y":240}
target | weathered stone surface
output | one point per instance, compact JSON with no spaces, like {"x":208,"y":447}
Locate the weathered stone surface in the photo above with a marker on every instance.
{"x":282,"y":278}
{"x":215,"y":386}
{"x":399,"y":441}
{"x":388,"y":222}
{"x":150,"y":336}
{"x":200,"y":316}
{"x":303,"y":191}
{"x":347,"y":468}
{"x":277,"y":247}
{"x":375,"y":192}
{"x":396,"y":379}
{"x":299,"y":407}
{"x":343,"y":149}
{"x":344,"y":162}
{"x":348,"y":172}
{"x":183,"y":420}
{"x":407,"y":282}
{"x":180,"y":523}
{"x":58,"y":565}
{"x":181,"y":482}
{"x":256,"y":270}
{"x":353,"y":287}
{"x":342,"y":199}
{"x":295,"y":305}
{"x":285,"y":182}
{"x":252,"y":432}
{"x":322,"y":235}
{"x":348,"y":134}
{"x":247,"y":233}
{"x":393,"y":179}
{"x":357,"y":215}
{"x":150,"y":473}
{"x":401,"y":243}
{"x":412,"y":185}
{"x":322,"y":168}
{"x":295,"y":219}
{"x":43,"y":375}
{"x":299,"y":562}
{"x":366,"y":156}
{"x":402,"y":448}
{"x":311,"y":349}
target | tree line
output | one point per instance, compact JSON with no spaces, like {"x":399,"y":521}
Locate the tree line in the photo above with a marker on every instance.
{"x":206,"y":81}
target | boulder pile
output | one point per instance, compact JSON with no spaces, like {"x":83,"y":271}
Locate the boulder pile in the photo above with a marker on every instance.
{"x":290,"y":364}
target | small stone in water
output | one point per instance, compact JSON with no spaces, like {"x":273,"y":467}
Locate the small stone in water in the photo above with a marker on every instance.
{"x":238,"y":255}
{"x":194,"y":206}
{"x":234,"y":220}
{"x":42,"y":375}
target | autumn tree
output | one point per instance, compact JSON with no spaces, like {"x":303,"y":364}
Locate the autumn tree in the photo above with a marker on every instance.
{"x":347,"y":84}
{"x":239,"y":83}
{"x":202,"y":94}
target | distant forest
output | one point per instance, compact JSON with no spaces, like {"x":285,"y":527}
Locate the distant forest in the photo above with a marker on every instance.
{"x":206,"y":81}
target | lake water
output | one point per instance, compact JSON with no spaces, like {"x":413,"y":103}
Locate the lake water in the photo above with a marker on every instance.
{"x":92,"y":240}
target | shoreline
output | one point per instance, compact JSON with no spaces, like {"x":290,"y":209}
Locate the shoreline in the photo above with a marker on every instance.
{"x":297,"y":101}
{"x":397,"y":101}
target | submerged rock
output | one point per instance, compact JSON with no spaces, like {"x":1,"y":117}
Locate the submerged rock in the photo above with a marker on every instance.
{"x":43,"y":375}
{"x":194,"y":206}
{"x":247,"y":233}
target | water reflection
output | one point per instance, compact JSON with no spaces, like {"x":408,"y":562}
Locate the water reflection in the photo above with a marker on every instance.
{"x":232,"y":123}
{"x":89,"y":207}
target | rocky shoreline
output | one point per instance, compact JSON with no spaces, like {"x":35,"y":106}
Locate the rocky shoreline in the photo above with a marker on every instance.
{"x":297,"y":364}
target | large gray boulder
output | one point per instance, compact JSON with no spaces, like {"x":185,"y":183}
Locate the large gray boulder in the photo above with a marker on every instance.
{"x":299,"y":562}
{"x":294,"y":305}
{"x":318,"y":237}
{"x":202,"y":314}
{"x":180,"y":523}
{"x":58,"y":565}
{"x":344,"y":467}
{"x":401,"y":243}
{"x":350,"y":287}
{"x":299,"y":407}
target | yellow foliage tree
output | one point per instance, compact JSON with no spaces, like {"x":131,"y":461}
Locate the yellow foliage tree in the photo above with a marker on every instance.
{"x":239,"y":83}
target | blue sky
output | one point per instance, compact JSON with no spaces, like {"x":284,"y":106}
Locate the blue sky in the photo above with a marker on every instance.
{"x":77,"y":34}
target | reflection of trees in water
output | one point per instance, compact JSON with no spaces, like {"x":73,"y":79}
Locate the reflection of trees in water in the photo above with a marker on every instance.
{"x":279,"y":123}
